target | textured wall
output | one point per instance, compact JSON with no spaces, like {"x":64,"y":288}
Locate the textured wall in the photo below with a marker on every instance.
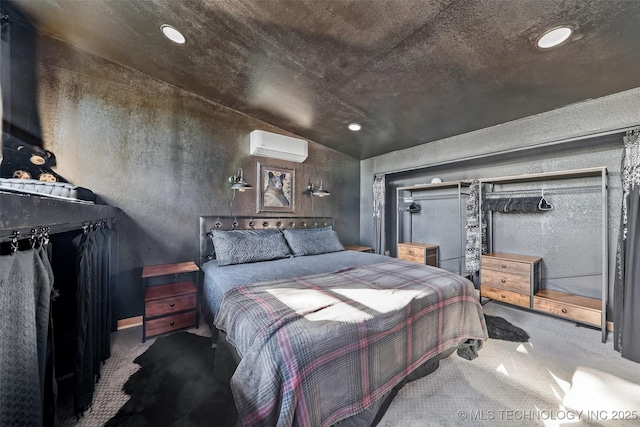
{"x":163,"y":155}
{"x":590,"y":117}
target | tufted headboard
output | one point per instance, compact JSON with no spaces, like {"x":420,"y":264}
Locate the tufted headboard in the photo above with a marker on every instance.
{"x":208,"y":223}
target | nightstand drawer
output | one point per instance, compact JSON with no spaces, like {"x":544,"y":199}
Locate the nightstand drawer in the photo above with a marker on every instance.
{"x":506,"y":266}
{"x":509,"y":282}
{"x":169,"y":290}
{"x":170,"y":305}
{"x":506,"y":296}
{"x":170,"y":323}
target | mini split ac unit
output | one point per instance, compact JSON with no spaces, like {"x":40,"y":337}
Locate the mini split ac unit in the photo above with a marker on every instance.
{"x":275,"y":146}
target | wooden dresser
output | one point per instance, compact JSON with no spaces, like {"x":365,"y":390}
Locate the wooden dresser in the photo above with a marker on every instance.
{"x":170,"y":298}
{"x":510,"y":278}
{"x":515,"y":279}
{"x":422,"y":253}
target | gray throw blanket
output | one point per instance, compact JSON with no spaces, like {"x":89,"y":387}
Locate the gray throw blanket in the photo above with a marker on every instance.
{"x":318,"y":349}
{"x":25,"y":292}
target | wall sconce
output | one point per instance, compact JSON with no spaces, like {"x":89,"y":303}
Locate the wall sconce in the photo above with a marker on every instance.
{"x":320,"y":192}
{"x":238,"y":182}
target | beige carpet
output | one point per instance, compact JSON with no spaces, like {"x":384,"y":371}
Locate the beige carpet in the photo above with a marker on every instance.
{"x":563,"y":376}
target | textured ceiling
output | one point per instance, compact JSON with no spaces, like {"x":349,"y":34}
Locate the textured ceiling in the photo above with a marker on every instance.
{"x":410,"y":71}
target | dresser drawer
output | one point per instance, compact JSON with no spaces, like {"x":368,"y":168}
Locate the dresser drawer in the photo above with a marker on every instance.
{"x":507,"y":266}
{"x":419,"y":254}
{"x":170,"y":323}
{"x":507,"y":281}
{"x":568,"y":311}
{"x":505,"y":296}
{"x":169,"y":305}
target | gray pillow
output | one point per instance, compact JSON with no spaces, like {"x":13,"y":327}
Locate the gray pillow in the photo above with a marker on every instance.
{"x":312,"y":241}
{"x":242,"y":246}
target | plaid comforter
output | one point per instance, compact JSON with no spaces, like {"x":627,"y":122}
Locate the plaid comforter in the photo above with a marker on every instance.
{"x":318,"y":349}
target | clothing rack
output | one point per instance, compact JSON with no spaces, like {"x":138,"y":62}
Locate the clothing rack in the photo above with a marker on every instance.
{"x":542,"y":191}
{"x":598,"y":174}
{"x":24,"y":213}
{"x":85,"y":226}
{"x":40,"y":235}
{"x":437,"y":191}
{"x":434,"y":197}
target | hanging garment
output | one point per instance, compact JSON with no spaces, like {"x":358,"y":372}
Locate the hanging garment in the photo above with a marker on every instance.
{"x":378,"y":212}
{"x":105,"y":307}
{"x":93,"y":314}
{"x":50,"y":389}
{"x":476,"y":231}
{"x":25,"y":295}
{"x":517,"y":204}
{"x":411,"y":207}
{"x":627,"y":286}
{"x":83,"y":374}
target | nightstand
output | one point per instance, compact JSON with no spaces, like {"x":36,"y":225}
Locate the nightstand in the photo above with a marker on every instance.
{"x":170,"y":298}
{"x":359,"y":248}
{"x":422,"y":253}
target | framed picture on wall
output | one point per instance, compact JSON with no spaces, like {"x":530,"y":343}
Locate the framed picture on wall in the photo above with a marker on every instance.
{"x":276,"y":189}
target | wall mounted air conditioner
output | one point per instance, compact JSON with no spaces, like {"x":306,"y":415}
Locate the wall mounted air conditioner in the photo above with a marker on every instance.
{"x":275,"y":146}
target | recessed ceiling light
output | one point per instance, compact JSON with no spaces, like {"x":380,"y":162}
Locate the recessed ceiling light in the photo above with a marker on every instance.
{"x":554,"y":37}
{"x":173,"y":34}
{"x":355,"y":127}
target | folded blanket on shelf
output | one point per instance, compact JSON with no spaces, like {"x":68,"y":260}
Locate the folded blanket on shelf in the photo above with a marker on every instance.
{"x":51,"y":189}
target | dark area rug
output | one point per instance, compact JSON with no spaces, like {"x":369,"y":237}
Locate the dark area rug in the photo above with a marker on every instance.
{"x":176,"y":386}
{"x":502,"y":329}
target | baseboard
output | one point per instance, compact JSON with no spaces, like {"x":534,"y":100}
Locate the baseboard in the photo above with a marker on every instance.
{"x":129,"y":322}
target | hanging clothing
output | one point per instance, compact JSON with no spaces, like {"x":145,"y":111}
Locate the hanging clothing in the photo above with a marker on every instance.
{"x":476,"y":231}
{"x":50,"y":392}
{"x":517,"y":204}
{"x":93,"y":314}
{"x":26,"y":281}
{"x":627,"y":281}
{"x":379,"y":187}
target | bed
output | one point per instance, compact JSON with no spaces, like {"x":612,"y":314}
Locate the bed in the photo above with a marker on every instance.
{"x":312,"y":335}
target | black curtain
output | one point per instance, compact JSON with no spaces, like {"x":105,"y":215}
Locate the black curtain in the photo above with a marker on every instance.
{"x":93,"y":321}
{"x":627,"y":280}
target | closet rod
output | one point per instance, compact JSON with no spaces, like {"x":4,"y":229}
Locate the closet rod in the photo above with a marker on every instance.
{"x":538,"y":191}
{"x":53,"y":228}
{"x":595,"y":172}
{"x":441,"y":197}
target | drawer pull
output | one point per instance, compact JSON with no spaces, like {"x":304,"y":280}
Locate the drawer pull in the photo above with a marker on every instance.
{"x":503,"y":281}
{"x":564,"y":310}
{"x":503,"y":295}
{"x":172,"y":304}
{"x":172,"y":323}
{"x":504,"y":266}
